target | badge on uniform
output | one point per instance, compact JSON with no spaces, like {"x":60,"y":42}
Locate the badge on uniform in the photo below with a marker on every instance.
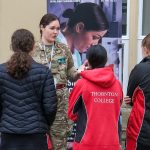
{"x":62,"y":60}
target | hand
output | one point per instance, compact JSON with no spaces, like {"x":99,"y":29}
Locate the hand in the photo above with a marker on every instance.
{"x":127,"y":100}
{"x":85,"y":63}
{"x":69,"y":145}
{"x":81,"y":68}
{"x":87,"y":66}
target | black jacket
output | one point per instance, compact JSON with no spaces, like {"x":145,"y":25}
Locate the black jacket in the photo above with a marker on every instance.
{"x":28,"y":105}
{"x":138,"y":128}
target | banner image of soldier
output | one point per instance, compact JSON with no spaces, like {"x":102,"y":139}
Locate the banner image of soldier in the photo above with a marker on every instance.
{"x":111,"y":39}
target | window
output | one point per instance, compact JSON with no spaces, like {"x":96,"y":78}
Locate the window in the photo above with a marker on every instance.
{"x":124,"y":17}
{"x":144,"y":21}
{"x":145,"y":17}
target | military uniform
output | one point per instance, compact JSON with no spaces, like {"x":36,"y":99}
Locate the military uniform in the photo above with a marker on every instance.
{"x":62,"y":68}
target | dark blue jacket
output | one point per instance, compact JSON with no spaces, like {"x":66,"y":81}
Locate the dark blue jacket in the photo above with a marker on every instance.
{"x":28,"y":105}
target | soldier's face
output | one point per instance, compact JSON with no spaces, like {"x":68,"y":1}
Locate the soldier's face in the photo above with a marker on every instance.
{"x":86,"y":39}
{"x":50,"y":32}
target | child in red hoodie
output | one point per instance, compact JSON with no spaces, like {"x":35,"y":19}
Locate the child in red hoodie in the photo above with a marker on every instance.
{"x":94,"y":104}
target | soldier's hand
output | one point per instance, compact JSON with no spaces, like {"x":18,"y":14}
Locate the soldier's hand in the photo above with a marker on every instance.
{"x":81,"y":68}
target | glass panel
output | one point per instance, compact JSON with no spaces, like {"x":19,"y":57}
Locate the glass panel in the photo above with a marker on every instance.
{"x":146,"y":19}
{"x":124,"y":17}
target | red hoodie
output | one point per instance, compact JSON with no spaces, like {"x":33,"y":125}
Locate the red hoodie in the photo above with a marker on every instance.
{"x":94,"y":104}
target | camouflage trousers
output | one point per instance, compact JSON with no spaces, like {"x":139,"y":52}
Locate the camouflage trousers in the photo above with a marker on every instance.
{"x":61,"y":127}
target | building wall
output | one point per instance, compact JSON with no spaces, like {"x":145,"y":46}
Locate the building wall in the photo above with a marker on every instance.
{"x":15,"y":14}
{"x":133,"y":33}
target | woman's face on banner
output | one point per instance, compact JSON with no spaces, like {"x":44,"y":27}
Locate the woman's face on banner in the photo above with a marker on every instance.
{"x":86,"y":39}
{"x":51,"y":31}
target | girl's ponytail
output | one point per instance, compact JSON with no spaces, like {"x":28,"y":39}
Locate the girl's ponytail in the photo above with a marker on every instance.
{"x":22,"y":43}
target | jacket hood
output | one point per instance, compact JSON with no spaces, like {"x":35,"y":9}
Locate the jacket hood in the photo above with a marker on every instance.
{"x":103,"y":77}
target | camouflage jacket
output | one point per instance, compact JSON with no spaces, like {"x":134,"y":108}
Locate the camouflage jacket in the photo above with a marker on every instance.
{"x":62,"y":66}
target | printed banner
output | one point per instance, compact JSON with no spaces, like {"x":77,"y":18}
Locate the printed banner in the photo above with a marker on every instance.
{"x":111,"y":41}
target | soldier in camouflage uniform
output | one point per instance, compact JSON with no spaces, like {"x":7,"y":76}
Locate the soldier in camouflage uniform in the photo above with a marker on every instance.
{"x":58,"y":58}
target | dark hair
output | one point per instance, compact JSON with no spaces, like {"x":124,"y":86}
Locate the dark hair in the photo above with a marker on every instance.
{"x":22,"y":42}
{"x":46,"y":20}
{"x":96,"y":56}
{"x":146,"y":42}
{"x":90,"y":14}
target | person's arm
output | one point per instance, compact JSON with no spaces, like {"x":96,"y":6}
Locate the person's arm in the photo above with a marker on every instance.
{"x":134,"y":80}
{"x":1,"y":91}
{"x":74,"y":100}
{"x":49,"y":99}
{"x":72,"y":73}
{"x":36,"y":52}
{"x":0,"y":109}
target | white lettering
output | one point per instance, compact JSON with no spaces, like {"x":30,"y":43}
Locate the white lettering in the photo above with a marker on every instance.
{"x":70,"y":89}
{"x":103,"y":100}
{"x":113,"y":94}
{"x":70,"y":84}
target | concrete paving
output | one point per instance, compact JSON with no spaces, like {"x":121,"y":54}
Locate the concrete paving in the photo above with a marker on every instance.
{"x":125,"y":115}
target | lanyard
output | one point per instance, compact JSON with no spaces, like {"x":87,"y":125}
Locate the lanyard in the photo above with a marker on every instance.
{"x":46,"y":56}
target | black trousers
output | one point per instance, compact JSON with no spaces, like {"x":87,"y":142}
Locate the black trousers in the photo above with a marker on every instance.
{"x":23,"y":142}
